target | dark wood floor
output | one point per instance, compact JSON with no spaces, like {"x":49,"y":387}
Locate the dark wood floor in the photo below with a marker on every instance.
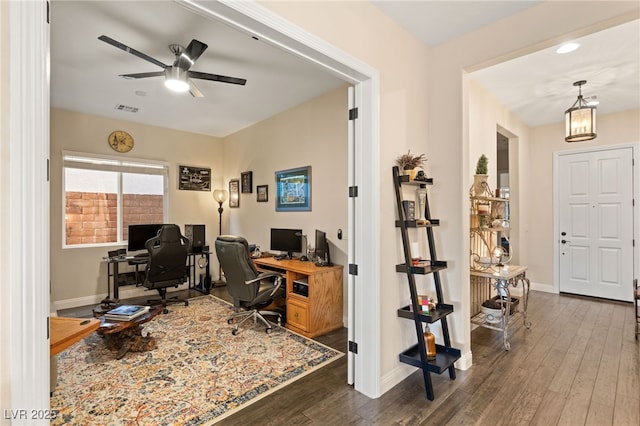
{"x":579,"y":364}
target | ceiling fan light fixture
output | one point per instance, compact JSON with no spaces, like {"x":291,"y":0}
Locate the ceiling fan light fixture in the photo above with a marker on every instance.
{"x":580,"y":119}
{"x":176,"y":79}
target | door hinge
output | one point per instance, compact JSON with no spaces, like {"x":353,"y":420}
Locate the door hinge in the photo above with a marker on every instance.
{"x":353,"y":113}
{"x":353,"y":191}
{"x":353,"y":347}
{"x":353,"y":269}
{"x":48,"y":9}
{"x":48,"y":322}
{"x":48,"y":170}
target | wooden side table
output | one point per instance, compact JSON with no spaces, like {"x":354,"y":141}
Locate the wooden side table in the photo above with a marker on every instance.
{"x":125,"y":336}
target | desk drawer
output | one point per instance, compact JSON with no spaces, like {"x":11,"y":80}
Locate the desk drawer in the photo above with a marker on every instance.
{"x":298,"y":314}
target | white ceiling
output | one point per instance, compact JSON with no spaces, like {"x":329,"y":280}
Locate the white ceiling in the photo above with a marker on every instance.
{"x":84,"y":70}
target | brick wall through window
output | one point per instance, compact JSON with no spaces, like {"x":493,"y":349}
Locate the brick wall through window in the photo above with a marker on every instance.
{"x":91,"y":218}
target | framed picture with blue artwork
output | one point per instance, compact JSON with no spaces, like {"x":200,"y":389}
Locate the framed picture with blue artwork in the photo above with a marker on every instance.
{"x":293,"y":189}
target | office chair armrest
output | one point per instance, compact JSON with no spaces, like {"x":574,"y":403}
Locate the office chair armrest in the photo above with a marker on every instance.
{"x":262,"y":276}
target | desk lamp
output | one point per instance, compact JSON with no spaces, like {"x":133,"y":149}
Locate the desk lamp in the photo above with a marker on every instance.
{"x":220,"y":195}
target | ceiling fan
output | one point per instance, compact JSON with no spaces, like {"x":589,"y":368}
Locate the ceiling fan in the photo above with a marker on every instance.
{"x":178,"y":76}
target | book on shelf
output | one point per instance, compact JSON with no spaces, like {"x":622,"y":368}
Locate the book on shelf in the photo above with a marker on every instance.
{"x":126,"y":312}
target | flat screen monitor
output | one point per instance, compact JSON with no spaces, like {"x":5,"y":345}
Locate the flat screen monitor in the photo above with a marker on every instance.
{"x":287,"y":240}
{"x":322,"y":249}
{"x":139,"y":234}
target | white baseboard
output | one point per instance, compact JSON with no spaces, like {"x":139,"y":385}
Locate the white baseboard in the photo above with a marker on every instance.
{"x":395,"y":376}
{"x":124,"y":293}
{"x":465,"y":362}
{"x":546,"y":288}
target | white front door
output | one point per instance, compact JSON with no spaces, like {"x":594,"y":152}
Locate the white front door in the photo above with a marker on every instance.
{"x":596,"y":223}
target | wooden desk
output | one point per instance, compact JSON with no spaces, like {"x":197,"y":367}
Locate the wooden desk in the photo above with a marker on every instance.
{"x":318,"y":312}
{"x":138,"y":276}
{"x":67,"y":331}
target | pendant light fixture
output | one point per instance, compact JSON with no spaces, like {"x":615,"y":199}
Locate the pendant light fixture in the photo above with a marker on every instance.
{"x":580,"y":119}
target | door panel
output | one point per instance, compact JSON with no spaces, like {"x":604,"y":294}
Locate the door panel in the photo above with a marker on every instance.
{"x":596,"y":223}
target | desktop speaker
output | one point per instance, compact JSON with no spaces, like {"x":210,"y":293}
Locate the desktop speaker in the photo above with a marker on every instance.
{"x":195,"y":234}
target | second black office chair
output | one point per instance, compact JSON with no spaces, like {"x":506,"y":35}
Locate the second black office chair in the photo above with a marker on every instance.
{"x":249,"y":289}
{"x":167,"y":266}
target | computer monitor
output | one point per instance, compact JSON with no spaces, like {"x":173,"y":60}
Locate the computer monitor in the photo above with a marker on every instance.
{"x":322,"y":249}
{"x":139,"y":234}
{"x":288,"y":240}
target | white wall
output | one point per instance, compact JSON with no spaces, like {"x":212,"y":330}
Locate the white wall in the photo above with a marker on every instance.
{"x":312,"y":134}
{"x":78,"y":275}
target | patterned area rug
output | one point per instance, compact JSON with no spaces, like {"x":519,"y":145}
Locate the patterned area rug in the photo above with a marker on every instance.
{"x":198,"y":374}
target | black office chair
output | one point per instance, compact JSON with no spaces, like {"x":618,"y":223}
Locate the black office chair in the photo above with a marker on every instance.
{"x":250,"y":289}
{"x":167,"y":265}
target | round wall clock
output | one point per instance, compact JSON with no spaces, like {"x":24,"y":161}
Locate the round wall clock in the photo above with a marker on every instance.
{"x":121,"y":141}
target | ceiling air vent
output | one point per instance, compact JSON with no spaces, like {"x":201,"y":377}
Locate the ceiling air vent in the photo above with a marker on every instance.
{"x":126,"y":108}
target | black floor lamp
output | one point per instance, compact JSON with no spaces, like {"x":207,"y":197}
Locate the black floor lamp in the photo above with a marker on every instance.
{"x":220,"y":195}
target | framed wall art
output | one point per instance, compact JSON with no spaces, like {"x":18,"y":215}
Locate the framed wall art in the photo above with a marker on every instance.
{"x":191,"y":178}
{"x":263,"y":193}
{"x":247,"y":182}
{"x":234,"y":193}
{"x":293,"y":189}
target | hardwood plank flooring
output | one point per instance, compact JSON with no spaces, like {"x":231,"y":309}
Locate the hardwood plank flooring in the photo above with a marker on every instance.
{"x":579,"y":364}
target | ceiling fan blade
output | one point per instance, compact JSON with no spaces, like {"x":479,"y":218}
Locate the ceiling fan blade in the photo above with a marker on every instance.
{"x":193,"y":89}
{"x":143,"y":75}
{"x":128,"y":49}
{"x":215,"y":77}
{"x":190,"y":54}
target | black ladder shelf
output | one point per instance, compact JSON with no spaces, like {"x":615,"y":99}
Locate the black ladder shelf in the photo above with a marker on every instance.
{"x":417,"y":354}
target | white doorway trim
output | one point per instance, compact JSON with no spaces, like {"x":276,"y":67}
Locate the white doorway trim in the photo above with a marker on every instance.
{"x":24,"y":264}
{"x":556,"y":202}
{"x":261,"y":22}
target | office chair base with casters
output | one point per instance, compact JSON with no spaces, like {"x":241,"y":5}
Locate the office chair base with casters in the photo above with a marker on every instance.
{"x":256,"y":315}
{"x":164,"y":300}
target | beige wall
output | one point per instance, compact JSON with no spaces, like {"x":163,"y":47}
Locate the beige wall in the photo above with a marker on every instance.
{"x":422,"y":107}
{"x":312,"y":134}
{"x":363,"y":31}
{"x":78,"y":275}
{"x":532,"y":176}
{"x":486,"y":115}
{"x":613,"y":129}
{"x":423,"y":103}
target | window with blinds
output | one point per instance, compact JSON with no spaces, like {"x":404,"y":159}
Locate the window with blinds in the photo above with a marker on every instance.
{"x":103,"y":195}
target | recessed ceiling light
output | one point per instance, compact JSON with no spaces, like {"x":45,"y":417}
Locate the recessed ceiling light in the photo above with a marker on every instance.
{"x":567,"y":47}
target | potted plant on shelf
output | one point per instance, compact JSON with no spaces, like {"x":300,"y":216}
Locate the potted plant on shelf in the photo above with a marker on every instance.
{"x":480,"y":186}
{"x":408,"y":163}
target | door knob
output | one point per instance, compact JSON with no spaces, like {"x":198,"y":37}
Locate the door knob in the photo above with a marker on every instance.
{"x":563,"y":233}
{"x":565,"y":241}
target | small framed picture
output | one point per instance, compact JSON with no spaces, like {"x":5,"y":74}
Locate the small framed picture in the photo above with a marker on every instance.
{"x":234,"y":193}
{"x":247,"y":182}
{"x":263,"y":193}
